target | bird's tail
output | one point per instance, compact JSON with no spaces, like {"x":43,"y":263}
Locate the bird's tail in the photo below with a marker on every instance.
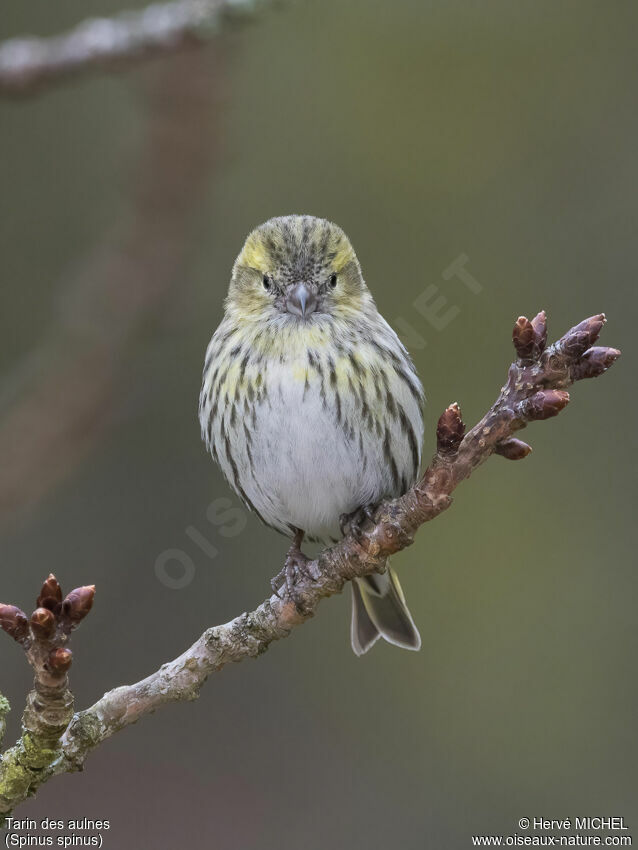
{"x":379,"y":610}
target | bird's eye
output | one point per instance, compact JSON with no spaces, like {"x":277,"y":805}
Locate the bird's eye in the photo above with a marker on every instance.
{"x":267,"y":282}
{"x":333,"y":281}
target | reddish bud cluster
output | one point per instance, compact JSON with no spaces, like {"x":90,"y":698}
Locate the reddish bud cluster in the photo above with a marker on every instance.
{"x":43,"y":634}
{"x":572,"y":358}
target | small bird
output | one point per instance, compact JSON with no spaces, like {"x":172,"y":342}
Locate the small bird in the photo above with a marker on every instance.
{"x":311,"y":405}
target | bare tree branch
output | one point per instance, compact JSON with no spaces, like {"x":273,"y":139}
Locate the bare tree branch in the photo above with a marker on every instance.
{"x":28,"y":63}
{"x":535,"y":389}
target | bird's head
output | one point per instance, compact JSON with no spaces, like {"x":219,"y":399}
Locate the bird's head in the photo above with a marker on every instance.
{"x":297,"y":269}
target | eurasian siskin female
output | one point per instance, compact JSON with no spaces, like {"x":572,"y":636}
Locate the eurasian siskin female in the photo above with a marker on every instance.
{"x":310,"y":403}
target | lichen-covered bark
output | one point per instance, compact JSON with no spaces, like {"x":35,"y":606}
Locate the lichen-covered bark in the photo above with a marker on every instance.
{"x":5,"y":708}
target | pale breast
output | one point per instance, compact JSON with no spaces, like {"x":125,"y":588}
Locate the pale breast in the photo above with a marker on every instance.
{"x":307,"y":466}
{"x":306,"y":438}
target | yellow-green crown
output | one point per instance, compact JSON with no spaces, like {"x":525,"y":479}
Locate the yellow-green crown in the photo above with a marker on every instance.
{"x":297,"y":247}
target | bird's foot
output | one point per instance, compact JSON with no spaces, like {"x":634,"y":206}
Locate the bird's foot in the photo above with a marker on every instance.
{"x":294,"y":571}
{"x":353,"y":523}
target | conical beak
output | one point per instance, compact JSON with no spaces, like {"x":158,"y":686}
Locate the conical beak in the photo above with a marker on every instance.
{"x":301,"y":301}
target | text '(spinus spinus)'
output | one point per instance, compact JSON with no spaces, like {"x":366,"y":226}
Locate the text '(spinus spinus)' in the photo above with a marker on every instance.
{"x":310,"y":403}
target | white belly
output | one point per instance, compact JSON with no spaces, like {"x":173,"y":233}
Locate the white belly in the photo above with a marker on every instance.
{"x":311,"y":470}
{"x":306,"y":457}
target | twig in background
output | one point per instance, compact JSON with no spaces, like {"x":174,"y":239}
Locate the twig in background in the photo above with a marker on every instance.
{"x":62,"y":394}
{"x":28,"y":63}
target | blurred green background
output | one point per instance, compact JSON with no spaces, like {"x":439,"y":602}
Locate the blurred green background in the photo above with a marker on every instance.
{"x":503,"y":131}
